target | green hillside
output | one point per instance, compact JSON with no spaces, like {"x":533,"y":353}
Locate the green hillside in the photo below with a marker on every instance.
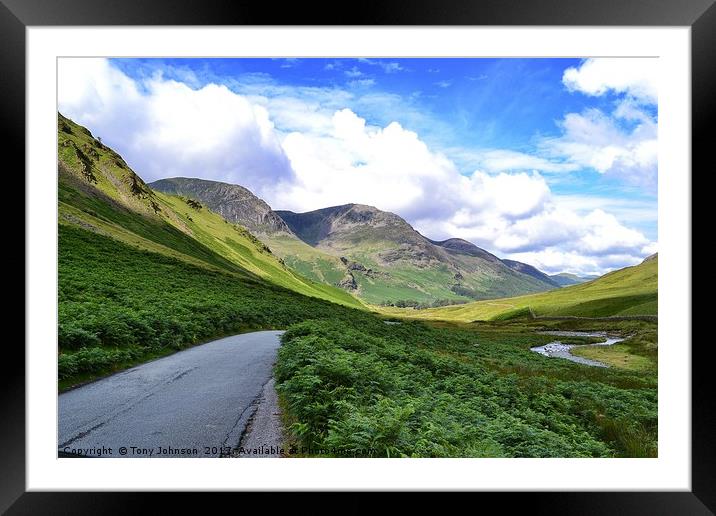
{"x":99,"y":192}
{"x":120,"y":304}
{"x":625,"y":292}
{"x":239,"y":205}
{"x":388,"y":262}
{"x":375,"y":255}
{"x":142,"y":273}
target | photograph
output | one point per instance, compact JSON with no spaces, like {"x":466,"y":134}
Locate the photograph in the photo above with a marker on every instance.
{"x":357,"y":257}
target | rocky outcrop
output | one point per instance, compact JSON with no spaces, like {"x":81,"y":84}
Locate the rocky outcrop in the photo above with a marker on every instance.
{"x":348,"y":282}
{"x":233,"y":202}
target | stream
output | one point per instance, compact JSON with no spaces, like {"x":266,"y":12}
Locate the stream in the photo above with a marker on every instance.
{"x":557,"y":349}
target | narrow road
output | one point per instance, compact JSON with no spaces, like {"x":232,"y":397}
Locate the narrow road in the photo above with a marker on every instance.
{"x":194,"y":403}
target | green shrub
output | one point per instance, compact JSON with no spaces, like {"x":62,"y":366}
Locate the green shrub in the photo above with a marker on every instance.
{"x":114,"y":297}
{"x":93,"y":360}
{"x":364,"y":388}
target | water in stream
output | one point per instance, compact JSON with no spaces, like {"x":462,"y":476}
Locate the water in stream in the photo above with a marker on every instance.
{"x":557,"y":349}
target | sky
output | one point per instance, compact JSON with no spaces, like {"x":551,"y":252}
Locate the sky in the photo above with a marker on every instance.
{"x":552,"y":162}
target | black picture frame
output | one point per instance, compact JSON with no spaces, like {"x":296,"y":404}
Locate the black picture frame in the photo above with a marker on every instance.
{"x":700,"y":15}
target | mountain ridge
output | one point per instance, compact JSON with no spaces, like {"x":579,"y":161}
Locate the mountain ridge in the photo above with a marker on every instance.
{"x":564,"y":279}
{"x":391,"y":261}
{"x":386,"y":243}
{"x":233,"y":202}
{"x":99,"y":192}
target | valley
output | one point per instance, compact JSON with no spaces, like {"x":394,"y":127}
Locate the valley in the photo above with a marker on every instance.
{"x":375,"y":255}
{"x":146,"y":270}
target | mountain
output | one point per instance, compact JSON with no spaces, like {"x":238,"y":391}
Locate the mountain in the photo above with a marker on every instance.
{"x":564,"y":279}
{"x":100,"y":193}
{"x":388,"y":261}
{"x":233,"y":202}
{"x":631,"y":291}
{"x":530,"y":271}
{"x":465,"y":247}
{"x":373,"y":254}
{"x":240,"y":206}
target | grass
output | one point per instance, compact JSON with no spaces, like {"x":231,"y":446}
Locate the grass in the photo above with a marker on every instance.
{"x":142,"y":275}
{"x":119,"y":305}
{"x":626,"y":292}
{"x":306,"y":260}
{"x":639,"y":352}
{"x":615,"y":356}
{"x":416,"y":389}
{"x":118,"y":204}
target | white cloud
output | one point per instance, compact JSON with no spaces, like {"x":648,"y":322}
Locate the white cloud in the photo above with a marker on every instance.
{"x":387,"y":66}
{"x":164,"y":128}
{"x":388,"y":167}
{"x":553,"y":261}
{"x":635,"y":77}
{"x":507,"y":213}
{"x":501,"y":160}
{"x":361,"y":83}
{"x":323,"y":155}
{"x":595,"y":140}
{"x":354,"y":72}
{"x":392,"y":67}
{"x":290,"y":62}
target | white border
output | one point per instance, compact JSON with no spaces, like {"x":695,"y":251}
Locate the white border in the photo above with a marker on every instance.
{"x":671,"y":471}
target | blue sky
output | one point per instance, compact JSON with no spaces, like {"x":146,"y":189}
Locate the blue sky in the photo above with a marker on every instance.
{"x":552,"y":161}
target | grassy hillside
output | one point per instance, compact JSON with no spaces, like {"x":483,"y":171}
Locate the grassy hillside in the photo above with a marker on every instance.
{"x":627,"y":292}
{"x":143,"y":273}
{"x":306,"y":260}
{"x":120,"y":305}
{"x":240,"y":206}
{"x":366,"y":388}
{"x":389,"y":262}
{"x":99,"y":192}
{"x":375,"y":255}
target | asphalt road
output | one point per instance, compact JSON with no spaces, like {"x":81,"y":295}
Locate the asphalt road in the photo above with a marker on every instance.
{"x":194,"y":403}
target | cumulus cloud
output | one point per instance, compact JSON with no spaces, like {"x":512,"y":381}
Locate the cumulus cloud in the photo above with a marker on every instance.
{"x":300,"y":152}
{"x":500,"y":160}
{"x":635,"y":77}
{"x":165,"y":128}
{"x":512,"y":214}
{"x":596,"y":140}
{"x":389,"y":167}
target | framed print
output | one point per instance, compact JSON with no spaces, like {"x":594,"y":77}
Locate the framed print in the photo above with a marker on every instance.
{"x":408,"y":251}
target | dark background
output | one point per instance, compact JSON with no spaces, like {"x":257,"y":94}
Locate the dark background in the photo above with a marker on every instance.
{"x":15,"y":15}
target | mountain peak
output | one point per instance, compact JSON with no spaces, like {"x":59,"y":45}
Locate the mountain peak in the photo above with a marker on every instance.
{"x":233,"y":202}
{"x":463,"y":246}
{"x":336,"y":222}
